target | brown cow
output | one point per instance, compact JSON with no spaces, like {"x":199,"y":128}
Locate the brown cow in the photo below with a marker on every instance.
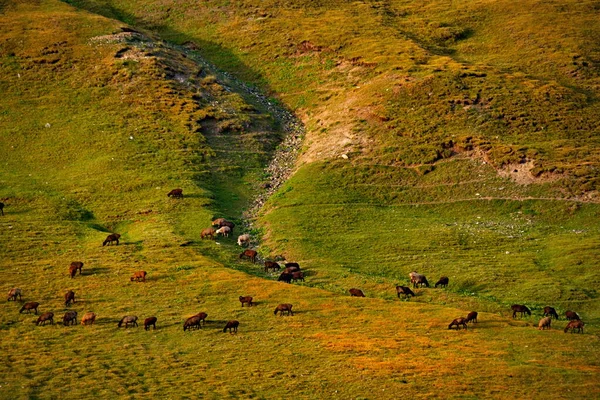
{"x":246,"y":299}
{"x":69,"y":297}
{"x":138,"y":276}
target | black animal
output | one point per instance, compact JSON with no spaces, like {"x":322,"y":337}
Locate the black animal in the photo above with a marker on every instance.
{"x":113,"y":237}
{"x":70,"y":316}
{"x":550,"y":312}
{"x":1,"y":208}
{"x":471,"y":317}
{"x":292,"y":264}
{"x":69,"y":297}
{"x":176,"y":193}
{"x":443,"y":282}
{"x":518,"y":308}
{"x":404,"y":290}
{"x":271,"y":265}
{"x":356,"y":293}
{"x":285,"y":277}
{"x":231,"y":325}
{"x":150,"y":321}
{"x":74,"y":267}
{"x":298,"y":276}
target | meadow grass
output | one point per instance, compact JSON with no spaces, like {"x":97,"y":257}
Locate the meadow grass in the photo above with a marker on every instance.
{"x":123,"y":131}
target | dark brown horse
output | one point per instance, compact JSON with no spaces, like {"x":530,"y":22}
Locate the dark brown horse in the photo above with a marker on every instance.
{"x":443,"y":282}
{"x":575,"y":324}
{"x":69,"y":297}
{"x":572,"y":316}
{"x":283,"y":308}
{"x":49,"y":316}
{"x":458,"y":322}
{"x":231,"y":325}
{"x":272,"y":265}
{"x":113,"y":237}
{"x":471,"y":317}
{"x":150,"y":321}
{"x":356,"y":293}
{"x":74,"y":267}
{"x":292,"y":264}
{"x":176,"y":193}
{"x":194,"y":321}
{"x":246,"y":299}
{"x":251,"y":254}
{"x":298,"y":276}
{"x":285,"y":277}
{"x":404,"y":290}
{"x":518,"y":308}
{"x":32,"y":305}
{"x":550,"y":312}
{"x":70,"y":317}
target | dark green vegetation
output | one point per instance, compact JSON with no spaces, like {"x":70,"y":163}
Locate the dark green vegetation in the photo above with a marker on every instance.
{"x":98,"y":123}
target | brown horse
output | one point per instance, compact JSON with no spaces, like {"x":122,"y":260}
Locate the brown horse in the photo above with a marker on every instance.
{"x":13,"y":293}
{"x":575,"y":324}
{"x":298,"y":276}
{"x":458,"y":322}
{"x":88,"y":318}
{"x":471,"y":317}
{"x":356,"y":293}
{"x":246,"y":299}
{"x":285,"y":277}
{"x":75,"y":265}
{"x":271,"y":265}
{"x":69,"y":297}
{"x":49,"y":316}
{"x":231,"y":325}
{"x":138,"y":276}
{"x":283,"y":308}
{"x":176,"y":193}
{"x":292,"y":264}
{"x":443,"y":282}
{"x":550,"y":312}
{"x":70,"y":317}
{"x":208,"y":233}
{"x":128,"y":319}
{"x":518,"y":308}
{"x":113,"y":237}
{"x":32,"y":305}
{"x":405,"y":290}
{"x":150,"y":321}
{"x":572,"y":316}
{"x":251,"y":254}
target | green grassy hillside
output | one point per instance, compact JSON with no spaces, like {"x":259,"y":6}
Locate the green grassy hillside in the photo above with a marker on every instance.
{"x":106,"y":107}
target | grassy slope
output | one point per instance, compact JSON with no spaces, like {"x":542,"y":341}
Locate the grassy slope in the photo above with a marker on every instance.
{"x":333,"y":347}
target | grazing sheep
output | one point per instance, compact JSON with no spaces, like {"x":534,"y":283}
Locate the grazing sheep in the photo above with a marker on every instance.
{"x":271,"y":265}
{"x":231,"y":325}
{"x":298,"y":276}
{"x":285,"y":277}
{"x":550,"y":312}
{"x":49,"y":316}
{"x":138,"y":276}
{"x":113,"y":237}
{"x":575,"y":324}
{"x":405,"y":290}
{"x":176,"y":193}
{"x":545,"y":323}
{"x":208,"y":232}
{"x":283,"y":308}
{"x":128,"y":319}
{"x":418,"y":279}
{"x":458,"y":322}
{"x":443,"y":282}
{"x":251,"y":254}
{"x":471,"y":317}
{"x":518,"y":308}
{"x":69,"y":297}
{"x":88,"y":318}
{"x":243,"y":240}
{"x":32,"y":305}
{"x":70,"y":317}
{"x":356,"y":293}
{"x":572,"y":316}
{"x":13,"y":293}
{"x":224,"y":231}
{"x":150,"y":321}
{"x":246,"y":299}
